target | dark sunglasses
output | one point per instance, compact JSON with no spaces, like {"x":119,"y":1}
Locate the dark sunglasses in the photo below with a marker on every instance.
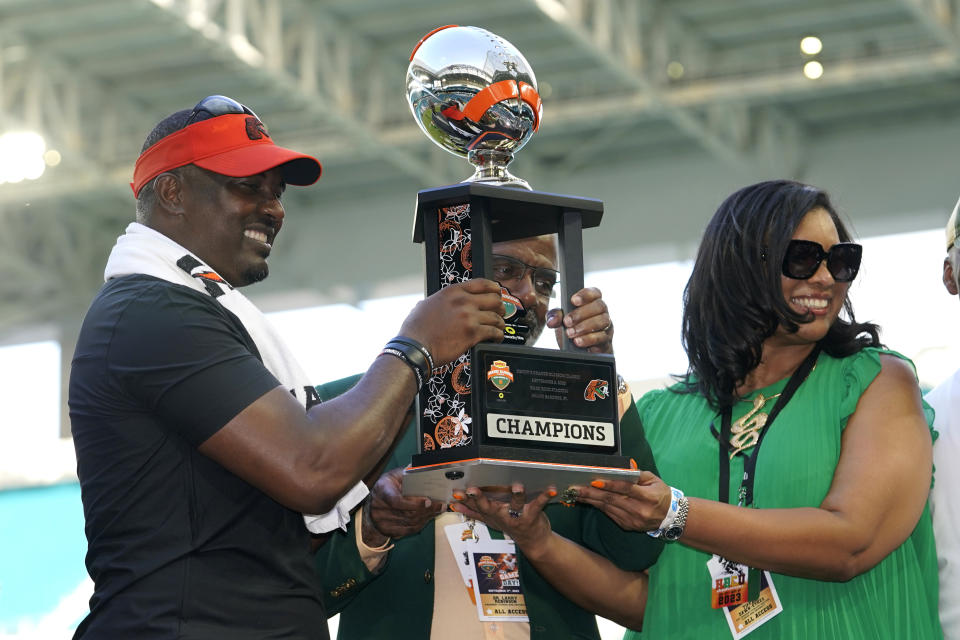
{"x":803,"y":258}
{"x":507,"y":269}
{"x":217,"y":105}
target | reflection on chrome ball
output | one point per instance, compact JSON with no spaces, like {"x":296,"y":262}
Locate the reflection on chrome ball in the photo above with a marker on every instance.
{"x":474,"y":94}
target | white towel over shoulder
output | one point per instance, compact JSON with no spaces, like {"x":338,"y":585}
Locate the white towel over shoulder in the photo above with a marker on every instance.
{"x":143,"y":250}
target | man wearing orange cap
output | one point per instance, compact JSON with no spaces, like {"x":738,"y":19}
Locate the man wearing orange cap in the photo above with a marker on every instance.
{"x":200,"y":442}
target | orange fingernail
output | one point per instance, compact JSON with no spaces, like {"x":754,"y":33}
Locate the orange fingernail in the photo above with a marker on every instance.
{"x":458,"y":495}
{"x":599,"y":484}
{"x":552,"y":493}
{"x":633,"y":464}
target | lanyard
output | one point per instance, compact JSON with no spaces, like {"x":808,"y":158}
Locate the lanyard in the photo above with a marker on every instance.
{"x":745,"y":497}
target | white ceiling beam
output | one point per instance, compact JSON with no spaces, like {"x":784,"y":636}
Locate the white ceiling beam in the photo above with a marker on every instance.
{"x":839,"y":78}
{"x":939,"y":17}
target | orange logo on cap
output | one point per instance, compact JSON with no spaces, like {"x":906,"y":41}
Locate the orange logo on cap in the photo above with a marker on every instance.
{"x":256,"y":130}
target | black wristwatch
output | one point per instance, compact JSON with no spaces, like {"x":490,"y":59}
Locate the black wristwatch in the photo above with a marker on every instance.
{"x":675,"y":530}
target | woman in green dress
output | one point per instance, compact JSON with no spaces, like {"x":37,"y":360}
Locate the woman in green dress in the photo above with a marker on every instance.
{"x":800,"y":450}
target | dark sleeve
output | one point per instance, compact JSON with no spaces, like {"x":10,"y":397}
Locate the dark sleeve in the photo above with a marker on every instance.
{"x":338,"y":564}
{"x":186,"y":358}
{"x":631,"y":550}
{"x":634,"y":440}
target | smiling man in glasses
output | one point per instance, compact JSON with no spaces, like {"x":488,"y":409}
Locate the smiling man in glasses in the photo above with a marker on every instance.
{"x":945,"y":399}
{"x":200,"y":442}
{"x":395,"y":575}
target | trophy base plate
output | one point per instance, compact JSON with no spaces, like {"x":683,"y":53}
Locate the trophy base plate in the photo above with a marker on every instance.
{"x":439,"y":481}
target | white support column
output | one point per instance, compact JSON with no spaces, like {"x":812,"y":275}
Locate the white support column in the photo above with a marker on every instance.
{"x":603,"y":22}
{"x":271,"y":42}
{"x":306,"y":36}
{"x":342,"y":84}
{"x":628,"y":29}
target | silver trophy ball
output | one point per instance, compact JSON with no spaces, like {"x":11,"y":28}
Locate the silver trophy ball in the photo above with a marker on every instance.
{"x":474,"y":94}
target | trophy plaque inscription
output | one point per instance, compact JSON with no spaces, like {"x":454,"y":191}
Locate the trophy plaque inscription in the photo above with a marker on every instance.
{"x":507,"y":412}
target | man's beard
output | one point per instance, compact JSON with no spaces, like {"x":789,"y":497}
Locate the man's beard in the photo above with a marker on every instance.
{"x":531,"y":320}
{"x":254,"y":274}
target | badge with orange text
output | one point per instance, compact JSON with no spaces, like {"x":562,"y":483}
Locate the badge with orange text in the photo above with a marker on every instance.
{"x":728,"y":582}
{"x":729,"y":592}
{"x":496,"y":587}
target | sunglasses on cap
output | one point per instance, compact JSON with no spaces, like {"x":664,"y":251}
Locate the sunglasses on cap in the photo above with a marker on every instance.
{"x":217,"y":105}
{"x":803,"y":258}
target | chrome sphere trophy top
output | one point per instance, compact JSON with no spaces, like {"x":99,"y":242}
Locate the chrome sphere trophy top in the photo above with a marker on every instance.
{"x":501,"y":413}
{"x":476,"y":96}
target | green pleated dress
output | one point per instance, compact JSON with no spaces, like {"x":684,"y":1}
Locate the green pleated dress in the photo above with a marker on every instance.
{"x":896,"y":600}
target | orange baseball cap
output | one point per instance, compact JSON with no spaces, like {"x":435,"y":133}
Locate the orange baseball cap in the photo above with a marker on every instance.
{"x":235,"y":144}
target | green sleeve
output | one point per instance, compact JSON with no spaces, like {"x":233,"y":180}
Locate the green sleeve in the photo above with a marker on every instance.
{"x":633,"y":440}
{"x":330,"y":390}
{"x":630,"y":550}
{"x":337,"y":563}
{"x":341,"y":571}
{"x":552,"y":615}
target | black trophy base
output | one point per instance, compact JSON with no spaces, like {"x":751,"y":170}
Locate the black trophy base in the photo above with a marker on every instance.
{"x":495,"y":473}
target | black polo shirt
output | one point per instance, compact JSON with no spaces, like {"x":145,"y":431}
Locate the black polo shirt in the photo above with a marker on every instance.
{"x":178,"y":547}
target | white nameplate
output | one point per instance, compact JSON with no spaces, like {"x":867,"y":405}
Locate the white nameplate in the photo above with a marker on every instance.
{"x":582,"y":432}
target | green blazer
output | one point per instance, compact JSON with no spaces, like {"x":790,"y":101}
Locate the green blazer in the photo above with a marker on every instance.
{"x":398,"y":602}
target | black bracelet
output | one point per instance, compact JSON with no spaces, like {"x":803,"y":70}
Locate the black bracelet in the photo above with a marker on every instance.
{"x":420,"y":347}
{"x":397,"y":353}
{"x":413,"y":356}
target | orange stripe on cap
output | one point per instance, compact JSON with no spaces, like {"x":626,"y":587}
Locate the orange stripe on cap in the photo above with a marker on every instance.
{"x":414,"y":52}
{"x":500,"y":91}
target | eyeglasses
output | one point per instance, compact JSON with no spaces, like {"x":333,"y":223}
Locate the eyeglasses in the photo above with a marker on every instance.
{"x":507,"y":269}
{"x":803,"y":258}
{"x":217,"y":105}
